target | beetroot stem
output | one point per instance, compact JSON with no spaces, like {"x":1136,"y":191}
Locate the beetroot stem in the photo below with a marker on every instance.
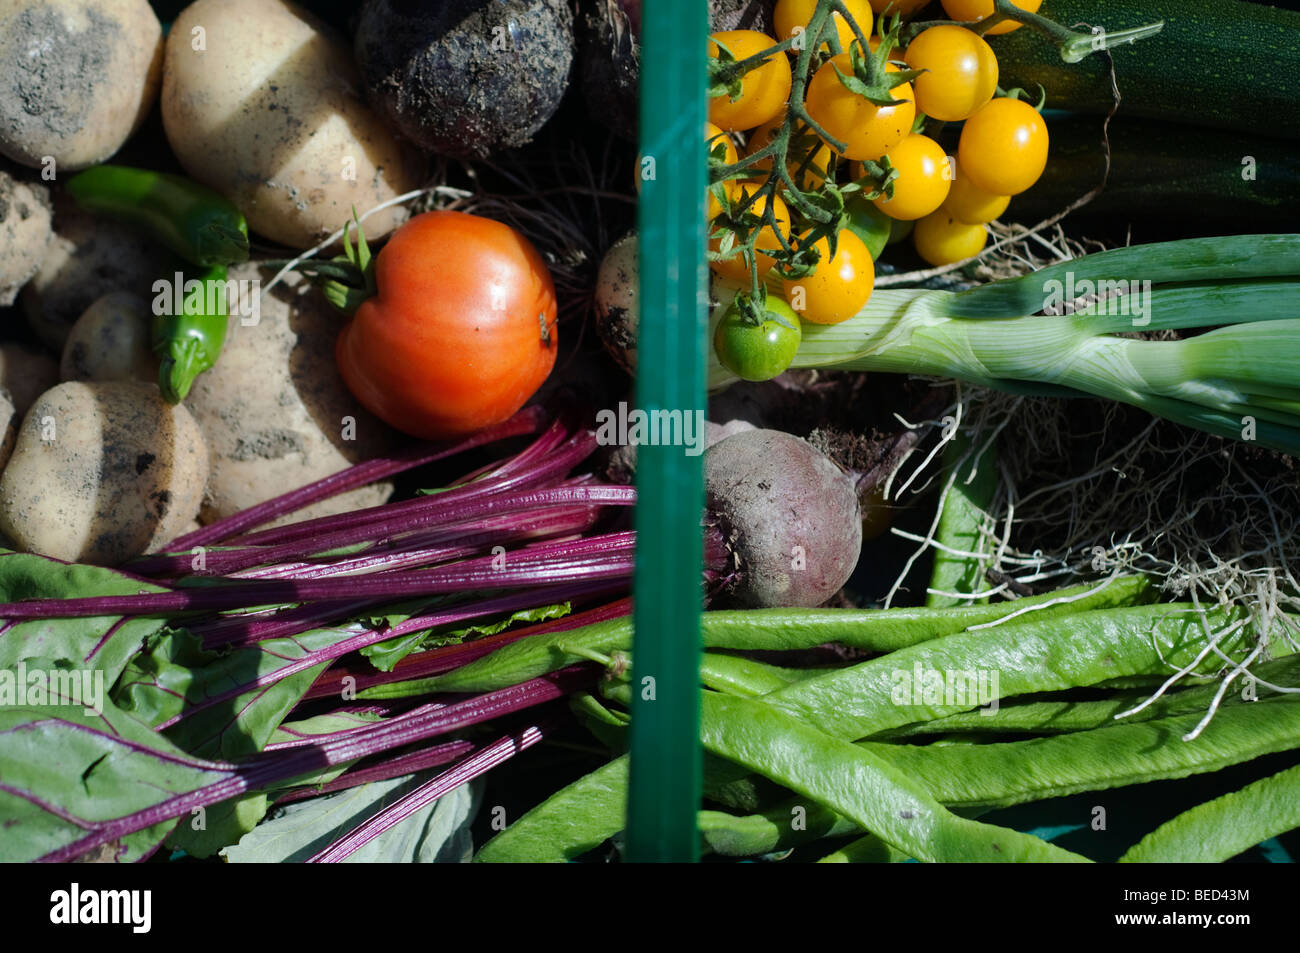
{"x":528,"y":420}
{"x":379,"y":522}
{"x":462,"y":772}
{"x":270,"y":769}
{"x":404,"y":764}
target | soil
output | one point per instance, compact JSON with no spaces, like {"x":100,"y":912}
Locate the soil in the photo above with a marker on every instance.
{"x":52,"y":93}
{"x":415,"y":58}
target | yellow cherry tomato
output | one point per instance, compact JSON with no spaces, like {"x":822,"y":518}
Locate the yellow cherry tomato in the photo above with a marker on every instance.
{"x":763,"y":91}
{"x":713,"y":137}
{"x":962,"y":72}
{"x":1003,"y":147}
{"x":868,"y":130}
{"x":941,"y":240}
{"x":968,"y":203}
{"x":814,"y":173}
{"x":792,"y":15}
{"x":839,"y":286}
{"x":968,"y":10}
{"x":735,"y":267}
{"x":924,"y":175}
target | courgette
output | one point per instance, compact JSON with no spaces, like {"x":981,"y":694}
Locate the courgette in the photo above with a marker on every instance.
{"x":1219,"y":63}
{"x":1205,"y":182}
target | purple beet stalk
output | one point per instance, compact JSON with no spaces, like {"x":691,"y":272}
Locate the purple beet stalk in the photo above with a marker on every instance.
{"x":589,"y":559}
{"x":446,"y":658}
{"x":270,"y":769}
{"x":403,"y":764}
{"x":460,"y":773}
{"x":528,"y":420}
{"x":358,"y":636}
{"x":376,"y":522}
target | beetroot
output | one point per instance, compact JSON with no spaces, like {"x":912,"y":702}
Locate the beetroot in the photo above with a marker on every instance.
{"x":465,"y":77}
{"x":789,"y":515}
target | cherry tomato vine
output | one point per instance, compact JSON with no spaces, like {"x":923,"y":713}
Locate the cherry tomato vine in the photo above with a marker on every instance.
{"x":778,"y":215}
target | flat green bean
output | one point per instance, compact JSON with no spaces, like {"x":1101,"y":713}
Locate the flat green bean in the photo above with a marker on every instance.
{"x":867,"y":849}
{"x":1059,"y":717}
{"x":1221,"y":829}
{"x":1014,"y":772}
{"x":736,"y":675}
{"x":575,"y":819}
{"x":790,"y":824}
{"x":961,"y":525}
{"x":584,"y":814}
{"x":859,"y":785}
{"x":765,"y":629}
{"x":1013,"y":659}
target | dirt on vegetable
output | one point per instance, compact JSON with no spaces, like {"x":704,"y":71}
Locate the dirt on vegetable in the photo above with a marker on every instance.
{"x":464,"y":77}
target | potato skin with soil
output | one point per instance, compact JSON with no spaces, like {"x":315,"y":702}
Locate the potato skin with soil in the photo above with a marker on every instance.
{"x":26,"y":230}
{"x":273,"y":410}
{"x":270,"y":113}
{"x":92,"y":84}
{"x":465,"y":78}
{"x":89,"y":257}
{"x":111,"y":342}
{"x":102,"y":472}
{"x":776,"y":499}
{"x":618,"y":301}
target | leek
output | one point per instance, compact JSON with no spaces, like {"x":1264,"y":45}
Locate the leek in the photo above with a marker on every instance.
{"x":1238,"y":379}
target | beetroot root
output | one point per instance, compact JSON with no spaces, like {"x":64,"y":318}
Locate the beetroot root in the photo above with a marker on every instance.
{"x":789,"y":515}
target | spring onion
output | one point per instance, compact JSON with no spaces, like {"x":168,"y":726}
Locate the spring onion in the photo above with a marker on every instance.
{"x":1237,"y":379}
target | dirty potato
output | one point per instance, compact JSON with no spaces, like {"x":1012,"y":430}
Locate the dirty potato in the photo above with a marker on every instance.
{"x":77,"y":77}
{"x":102,"y":472}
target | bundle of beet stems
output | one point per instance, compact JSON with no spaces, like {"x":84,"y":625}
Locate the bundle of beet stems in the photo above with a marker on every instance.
{"x":232,"y":587}
{"x":432,"y":562}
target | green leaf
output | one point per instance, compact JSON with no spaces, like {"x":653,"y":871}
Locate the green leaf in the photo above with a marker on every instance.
{"x":385,"y":655}
{"x":102,"y":642}
{"x":438,"y":833}
{"x":65,"y":771}
{"x":176,"y":678}
{"x":322,"y":725}
{"x":877,"y":95}
{"x":204,"y":834}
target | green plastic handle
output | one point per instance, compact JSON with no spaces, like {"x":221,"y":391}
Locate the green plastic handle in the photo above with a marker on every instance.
{"x":664,"y":784}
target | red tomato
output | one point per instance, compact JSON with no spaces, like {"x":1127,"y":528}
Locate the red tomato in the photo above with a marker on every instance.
{"x":461,"y":332}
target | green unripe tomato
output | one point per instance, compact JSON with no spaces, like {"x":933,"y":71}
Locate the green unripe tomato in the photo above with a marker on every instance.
{"x":758,"y":352}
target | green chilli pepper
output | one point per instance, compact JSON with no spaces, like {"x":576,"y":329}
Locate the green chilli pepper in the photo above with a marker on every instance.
{"x":189,"y":340}
{"x":193,"y":221}
{"x":201,"y":227}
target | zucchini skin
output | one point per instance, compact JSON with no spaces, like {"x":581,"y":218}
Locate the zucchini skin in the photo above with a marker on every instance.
{"x":1218,"y":63}
{"x":1166,"y":171}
